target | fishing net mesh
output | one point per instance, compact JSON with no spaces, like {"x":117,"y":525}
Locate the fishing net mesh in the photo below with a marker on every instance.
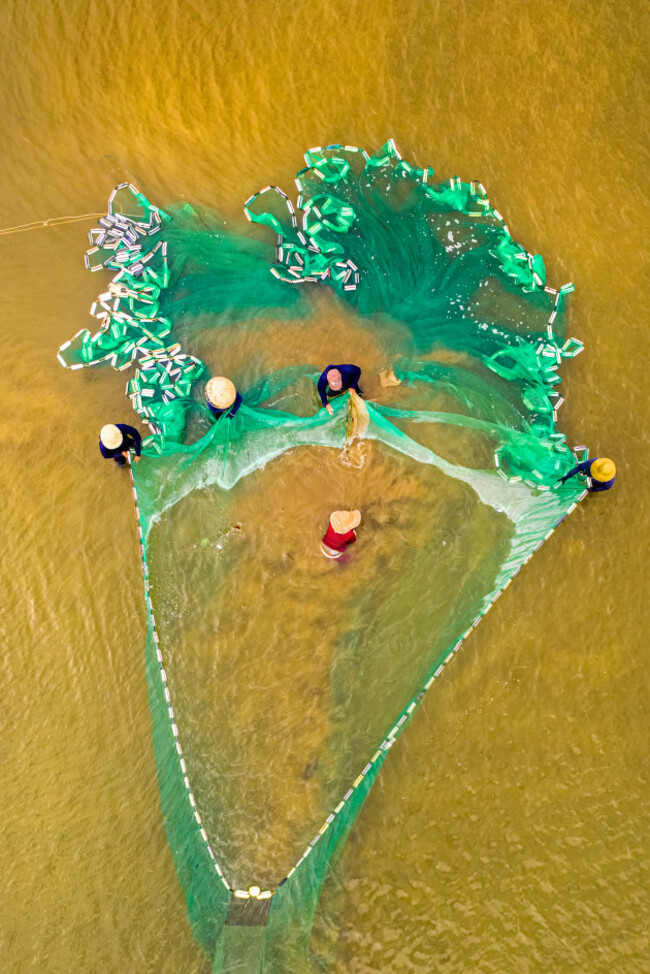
{"x":278,"y":682}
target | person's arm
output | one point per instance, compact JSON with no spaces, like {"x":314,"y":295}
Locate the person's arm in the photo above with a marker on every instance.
{"x":322,"y":386}
{"x":135,"y":436}
{"x":568,"y":475}
{"x":579,"y":468}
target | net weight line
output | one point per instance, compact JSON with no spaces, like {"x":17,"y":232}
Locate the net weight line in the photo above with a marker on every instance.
{"x":163,"y":677}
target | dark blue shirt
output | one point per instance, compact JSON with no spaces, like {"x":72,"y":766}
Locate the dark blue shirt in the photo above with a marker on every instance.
{"x":131,"y":440}
{"x":350,"y":375}
{"x":229,"y":411}
{"x":584,"y":468}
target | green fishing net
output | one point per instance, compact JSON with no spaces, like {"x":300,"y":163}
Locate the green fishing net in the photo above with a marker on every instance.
{"x":278,"y":681}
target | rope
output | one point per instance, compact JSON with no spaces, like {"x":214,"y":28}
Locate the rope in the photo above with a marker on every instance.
{"x":349,"y":424}
{"x":55,"y":221}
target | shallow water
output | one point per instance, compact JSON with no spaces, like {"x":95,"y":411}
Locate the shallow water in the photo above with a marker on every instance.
{"x":507,"y":831}
{"x":285,"y":669}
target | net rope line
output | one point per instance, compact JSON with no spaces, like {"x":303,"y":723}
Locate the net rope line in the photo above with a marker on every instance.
{"x":163,"y":678}
{"x":385,"y":745}
{"x":55,"y":221}
{"x":415,"y":701}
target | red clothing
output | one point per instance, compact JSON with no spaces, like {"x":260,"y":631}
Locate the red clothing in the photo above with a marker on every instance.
{"x":338,"y":542}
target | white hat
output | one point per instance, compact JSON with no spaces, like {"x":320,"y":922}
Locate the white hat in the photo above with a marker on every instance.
{"x":111,"y":437}
{"x":343,"y":521}
{"x":220,"y":392}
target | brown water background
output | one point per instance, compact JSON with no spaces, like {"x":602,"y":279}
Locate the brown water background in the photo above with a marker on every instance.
{"x":508,"y":830}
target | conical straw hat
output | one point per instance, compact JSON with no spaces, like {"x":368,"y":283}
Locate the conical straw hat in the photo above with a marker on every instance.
{"x":603,"y":469}
{"x":343,"y":521}
{"x":220,"y":392}
{"x":110,"y":436}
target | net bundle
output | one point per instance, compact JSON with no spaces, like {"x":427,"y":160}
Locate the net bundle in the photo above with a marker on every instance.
{"x":261,"y":782}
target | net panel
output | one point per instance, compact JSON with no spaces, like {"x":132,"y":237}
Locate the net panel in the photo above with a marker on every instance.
{"x":454,"y":463}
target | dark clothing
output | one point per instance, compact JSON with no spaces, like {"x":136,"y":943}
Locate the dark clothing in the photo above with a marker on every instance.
{"x":338,"y":542}
{"x":131,"y":440}
{"x":229,"y":411}
{"x":350,"y":375}
{"x":584,"y":468}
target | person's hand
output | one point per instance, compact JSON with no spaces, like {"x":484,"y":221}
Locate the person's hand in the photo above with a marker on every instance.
{"x":136,"y":459}
{"x":329,"y":409}
{"x":125,"y":454}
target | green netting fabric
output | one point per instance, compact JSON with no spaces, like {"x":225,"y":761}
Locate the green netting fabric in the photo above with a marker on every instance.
{"x":459,"y":447}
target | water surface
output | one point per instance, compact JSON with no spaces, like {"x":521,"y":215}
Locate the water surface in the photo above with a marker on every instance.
{"x":507,"y":831}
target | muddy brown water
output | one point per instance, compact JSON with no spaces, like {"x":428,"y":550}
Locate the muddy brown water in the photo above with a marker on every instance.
{"x":508,"y":829}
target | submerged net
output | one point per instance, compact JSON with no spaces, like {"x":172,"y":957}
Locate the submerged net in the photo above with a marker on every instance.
{"x":278,"y":682}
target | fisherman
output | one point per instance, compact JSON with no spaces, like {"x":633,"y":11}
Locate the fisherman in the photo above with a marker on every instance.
{"x":600,"y":473}
{"x":221,"y":396}
{"x":337,"y":379}
{"x":340,"y":533}
{"x":116,"y":440}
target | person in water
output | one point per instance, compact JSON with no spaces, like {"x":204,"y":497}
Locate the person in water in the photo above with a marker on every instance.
{"x":601,"y":473}
{"x":340,"y":533}
{"x":221,"y":396}
{"x":337,"y":379}
{"x":116,"y":440}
